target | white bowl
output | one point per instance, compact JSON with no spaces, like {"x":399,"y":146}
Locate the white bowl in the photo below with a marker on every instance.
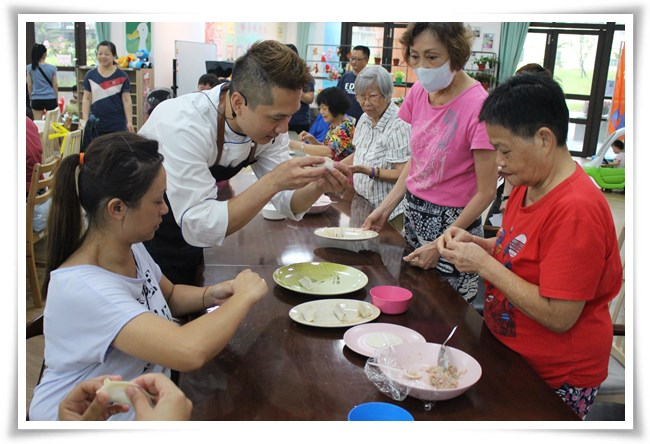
{"x":322,"y":204}
{"x":269,"y":212}
{"x":416,"y":356}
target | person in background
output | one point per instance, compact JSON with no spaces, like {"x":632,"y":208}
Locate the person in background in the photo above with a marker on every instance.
{"x":109,"y":308}
{"x":34,"y":150}
{"x":208,"y":81}
{"x":72,"y":108}
{"x":319,"y":128}
{"x":249,"y":117}
{"x":504,"y":190}
{"x":619,"y":149}
{"x":451,"y":176}
{"x":42,"y":86}
{"x":381,"y":141}
{"x":358,"y":60}
{"x":85,"y":403}
{"x":332,"y":105}
{"x":541,"y":301}
{"x":301,"y":120}
{"x":107,"y":93}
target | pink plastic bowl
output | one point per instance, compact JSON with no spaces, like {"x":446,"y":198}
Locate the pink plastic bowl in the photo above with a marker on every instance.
{"x":391,"y":299}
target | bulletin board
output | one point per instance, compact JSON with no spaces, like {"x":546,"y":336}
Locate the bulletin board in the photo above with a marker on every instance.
{"x":190,"y":64}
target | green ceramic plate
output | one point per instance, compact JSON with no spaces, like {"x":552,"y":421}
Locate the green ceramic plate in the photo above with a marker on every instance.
{"x":334,"y":313}
{"x":345,"y":233}
{"x":320,"y":278}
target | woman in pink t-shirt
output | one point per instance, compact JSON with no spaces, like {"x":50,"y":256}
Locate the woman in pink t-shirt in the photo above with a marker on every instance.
{"x":451,"y":176}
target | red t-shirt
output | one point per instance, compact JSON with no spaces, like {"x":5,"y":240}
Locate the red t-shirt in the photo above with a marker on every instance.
{"x":566,"y":244}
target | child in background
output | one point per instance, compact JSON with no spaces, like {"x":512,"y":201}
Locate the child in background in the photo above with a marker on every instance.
{"x":619,"y":148}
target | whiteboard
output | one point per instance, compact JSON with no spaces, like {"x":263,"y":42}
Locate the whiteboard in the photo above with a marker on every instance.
{"x":190,"y":64}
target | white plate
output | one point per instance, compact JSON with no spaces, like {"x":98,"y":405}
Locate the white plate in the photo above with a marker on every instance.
{"x":323,"y":313}
{"x":322,"y":278}
{"x":368,"y":339}
{"x":345,"y":233}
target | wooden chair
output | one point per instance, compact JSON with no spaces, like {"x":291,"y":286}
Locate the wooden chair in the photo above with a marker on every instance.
{"x":72,"y":143}
{"x":40,"y":191}
{"x":613,"y":388}
{"x":50,"y":146}
{"x":34,"y":330}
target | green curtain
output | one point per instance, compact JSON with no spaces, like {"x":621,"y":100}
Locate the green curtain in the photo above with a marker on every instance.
{"x":103,"y":30}
{"x":302,"y":39}
{"x":513,"y":36}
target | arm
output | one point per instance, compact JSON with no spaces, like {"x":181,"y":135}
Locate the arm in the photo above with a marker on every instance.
{"x":427,"y":255}
{"x":377,"y":219}
{"x":307,"y":97}
{"x":171,"y":404}
{"x":29,"y":83}
{"x":128,"y":110}
{"x":55,"y":84}
{"x":83,"y":403}
{"x":312,"y":149}
{"x":189,"y":347}
{"x":85,"y":105}
{"x":390,"y":175}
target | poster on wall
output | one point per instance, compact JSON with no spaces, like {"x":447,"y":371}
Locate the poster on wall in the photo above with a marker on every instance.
{"x":138,"y":37}
{"x":488,"y":41}
{"x":234,"y":39}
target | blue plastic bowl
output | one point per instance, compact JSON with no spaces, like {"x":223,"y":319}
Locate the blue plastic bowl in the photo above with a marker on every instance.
{"x":379,"y":411}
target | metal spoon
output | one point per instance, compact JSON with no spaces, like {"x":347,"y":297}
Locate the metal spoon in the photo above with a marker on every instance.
{"x":443,"y":357}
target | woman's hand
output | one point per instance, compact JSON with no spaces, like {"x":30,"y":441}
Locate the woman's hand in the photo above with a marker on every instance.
{"x":219,"y":293}
{"x":251,"y":285}
{"x":458,"y":247}
{"x":83,"y":403}
{"x":170,"y":403}
{"x":425,"y":256}
{"x":306,"y":137}
{"x":376,"y":220}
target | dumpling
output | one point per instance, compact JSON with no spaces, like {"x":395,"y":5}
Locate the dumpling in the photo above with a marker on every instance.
{"x":116,"y":391}
{"x":306,"y":283}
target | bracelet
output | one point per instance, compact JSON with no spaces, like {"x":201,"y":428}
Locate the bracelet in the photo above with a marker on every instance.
{"x":203,"y":297}
{"x":372,"y":172}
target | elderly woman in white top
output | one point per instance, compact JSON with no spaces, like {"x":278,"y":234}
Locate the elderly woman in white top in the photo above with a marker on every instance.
{"x":381,"y":140}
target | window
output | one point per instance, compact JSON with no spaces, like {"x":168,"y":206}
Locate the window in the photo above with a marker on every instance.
{"x":68,"y":44}
{"x":583,"y":58}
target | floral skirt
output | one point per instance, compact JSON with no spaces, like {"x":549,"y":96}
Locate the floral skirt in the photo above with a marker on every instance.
{"x":423,"y":223}
{"x":579,"y":399}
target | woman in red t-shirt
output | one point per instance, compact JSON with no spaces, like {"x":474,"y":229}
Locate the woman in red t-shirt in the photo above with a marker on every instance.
{"x":554,"y":266}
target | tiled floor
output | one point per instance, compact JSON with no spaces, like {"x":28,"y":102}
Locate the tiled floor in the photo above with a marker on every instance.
{"x":34,"y":348}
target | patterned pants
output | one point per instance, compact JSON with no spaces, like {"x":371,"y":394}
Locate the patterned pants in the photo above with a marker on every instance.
{"x":423,"y":223}
{"x":579,"y":399}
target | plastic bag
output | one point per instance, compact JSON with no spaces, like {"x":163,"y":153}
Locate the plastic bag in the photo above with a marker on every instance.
{"x":383,"y":371}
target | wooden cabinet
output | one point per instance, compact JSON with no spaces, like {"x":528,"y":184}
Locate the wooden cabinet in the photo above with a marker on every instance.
{"x":142,"y":82}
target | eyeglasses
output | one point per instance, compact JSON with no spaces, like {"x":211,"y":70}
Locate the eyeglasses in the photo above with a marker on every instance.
{"x":357,"y":59}
{"x":361,"y":98}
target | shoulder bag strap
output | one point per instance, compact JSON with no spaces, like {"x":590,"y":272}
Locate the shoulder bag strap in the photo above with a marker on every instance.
{"x":46,"y":78}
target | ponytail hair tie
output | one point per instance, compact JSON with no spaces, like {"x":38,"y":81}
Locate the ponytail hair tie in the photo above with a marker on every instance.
{"x":81,"y":159}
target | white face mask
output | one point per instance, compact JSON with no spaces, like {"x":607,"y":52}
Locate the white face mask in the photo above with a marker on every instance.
{"x":435,"y":79}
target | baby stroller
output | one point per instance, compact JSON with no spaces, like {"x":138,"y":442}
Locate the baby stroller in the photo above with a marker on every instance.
{"x":606,"y":177}
{"x":155,"y":96}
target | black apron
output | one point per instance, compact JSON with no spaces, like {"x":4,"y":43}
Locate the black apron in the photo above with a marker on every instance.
{"x":179,"y":261}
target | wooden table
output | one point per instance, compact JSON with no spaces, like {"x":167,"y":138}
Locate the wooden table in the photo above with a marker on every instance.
{"x":277,"y":369}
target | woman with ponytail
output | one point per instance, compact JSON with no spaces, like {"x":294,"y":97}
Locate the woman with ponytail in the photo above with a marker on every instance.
{"x":42,"y":86}
{"x":109,"y":308}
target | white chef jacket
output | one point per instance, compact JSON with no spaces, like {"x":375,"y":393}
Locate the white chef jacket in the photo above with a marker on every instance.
{"x":186,"y":130}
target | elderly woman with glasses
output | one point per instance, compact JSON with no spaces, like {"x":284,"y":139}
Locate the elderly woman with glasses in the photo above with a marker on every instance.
{"x":381,"y":140}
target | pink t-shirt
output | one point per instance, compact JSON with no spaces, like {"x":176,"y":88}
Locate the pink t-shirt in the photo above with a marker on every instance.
{"x":442,"y":140}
